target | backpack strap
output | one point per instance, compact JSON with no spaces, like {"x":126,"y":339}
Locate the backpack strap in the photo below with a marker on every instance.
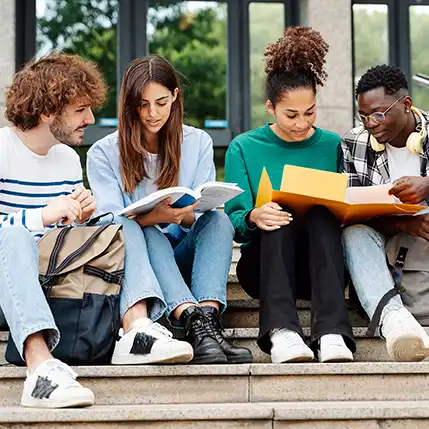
{"x":47,"y":279}
{"x":398,"y":272}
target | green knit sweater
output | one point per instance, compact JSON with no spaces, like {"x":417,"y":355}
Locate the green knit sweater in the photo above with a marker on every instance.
{"x":250,"y":152}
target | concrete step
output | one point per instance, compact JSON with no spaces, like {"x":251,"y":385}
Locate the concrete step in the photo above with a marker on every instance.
{"x":184,"y":384}
{"x":244,"y":313}
{"x":368,"y":349}
{"x":291,"y":415}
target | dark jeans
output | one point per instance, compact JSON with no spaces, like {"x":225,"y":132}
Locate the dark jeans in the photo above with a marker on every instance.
{"x":302,"y":260}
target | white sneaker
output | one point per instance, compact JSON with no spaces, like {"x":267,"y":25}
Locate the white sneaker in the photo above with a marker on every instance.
{"x":288,"y":346}
{"x":406,"y":340}
{"x":53,"y":385}
{"x":334,"y":349}
{"x":148,"y":342}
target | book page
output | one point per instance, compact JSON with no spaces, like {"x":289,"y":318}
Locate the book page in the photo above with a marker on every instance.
{"x":147,"y":203}
{"x":370,"y":194}
{"x":215,"y":195}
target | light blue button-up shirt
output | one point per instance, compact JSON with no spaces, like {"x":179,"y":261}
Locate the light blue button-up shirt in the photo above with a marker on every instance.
{"x":104,"y":175}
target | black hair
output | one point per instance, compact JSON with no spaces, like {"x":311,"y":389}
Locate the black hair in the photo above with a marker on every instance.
{"x":391,"y":78}
{"x":295,"y":61}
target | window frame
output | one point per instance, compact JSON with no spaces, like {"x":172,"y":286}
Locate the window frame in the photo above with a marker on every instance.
{"x":133,"y":42}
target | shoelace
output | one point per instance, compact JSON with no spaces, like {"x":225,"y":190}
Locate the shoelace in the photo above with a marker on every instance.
{"x":334,"y":341}
{"x":161,"y":329}
{"x":292,"y":337}
{"x":216,"y":327}
{"x":197,"y":329}
{"x":59,"y":371}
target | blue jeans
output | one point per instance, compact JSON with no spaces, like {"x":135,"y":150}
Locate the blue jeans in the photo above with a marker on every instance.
{"x":196,"y":269}
{"x":364,"y":251}
{"x":24,"y":304}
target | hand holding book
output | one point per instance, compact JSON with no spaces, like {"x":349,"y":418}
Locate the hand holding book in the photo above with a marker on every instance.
{"x":410,"y":189}
{"x":163,"y":214}
{"x":269,"y":217}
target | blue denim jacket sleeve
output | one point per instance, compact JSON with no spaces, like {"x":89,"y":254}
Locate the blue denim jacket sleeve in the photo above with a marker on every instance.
{"x":104,"y":182}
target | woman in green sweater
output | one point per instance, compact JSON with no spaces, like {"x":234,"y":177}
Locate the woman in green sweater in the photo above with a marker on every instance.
{"x":283,"y":257}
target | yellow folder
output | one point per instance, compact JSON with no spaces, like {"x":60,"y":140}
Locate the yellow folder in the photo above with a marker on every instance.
{"x":302,"y":188}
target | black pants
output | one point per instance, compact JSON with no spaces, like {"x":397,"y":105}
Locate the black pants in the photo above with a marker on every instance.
{"x":300,"y":261}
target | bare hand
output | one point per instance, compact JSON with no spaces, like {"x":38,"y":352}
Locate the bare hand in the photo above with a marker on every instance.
{"x":86,"y":201}
{"x":164,"y":213}
{"x":411,"y":189}
{"x":269,"y":217}
{"x":61,"y":208}
{"x":417,"y":226}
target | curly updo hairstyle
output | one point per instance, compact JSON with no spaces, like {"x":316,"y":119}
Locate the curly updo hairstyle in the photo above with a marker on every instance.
{"x":295,"y":61}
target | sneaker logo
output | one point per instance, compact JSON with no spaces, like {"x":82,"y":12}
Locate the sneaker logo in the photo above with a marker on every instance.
{"x":43,"y":388}
{"x":142,"y":344}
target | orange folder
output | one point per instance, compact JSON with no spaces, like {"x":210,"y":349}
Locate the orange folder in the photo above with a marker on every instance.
{"x":302,"y":188}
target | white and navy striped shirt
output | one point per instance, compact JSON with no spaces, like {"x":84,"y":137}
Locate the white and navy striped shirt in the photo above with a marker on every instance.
{"x":28,"y":181}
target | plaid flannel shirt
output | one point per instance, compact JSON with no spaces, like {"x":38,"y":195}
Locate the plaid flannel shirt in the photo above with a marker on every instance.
{"x":364,"y":166}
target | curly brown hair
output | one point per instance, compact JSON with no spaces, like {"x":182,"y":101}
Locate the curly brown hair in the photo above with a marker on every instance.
{"x":295,"y":61}
{"x":47,"y":85}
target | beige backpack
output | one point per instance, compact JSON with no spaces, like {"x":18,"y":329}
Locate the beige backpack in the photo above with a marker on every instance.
{"x":81,"y":271}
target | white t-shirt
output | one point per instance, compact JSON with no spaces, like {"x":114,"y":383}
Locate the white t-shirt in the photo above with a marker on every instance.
{"x":28,"y":181}
{"x":152,"y":172}
{"x":402,"y":162}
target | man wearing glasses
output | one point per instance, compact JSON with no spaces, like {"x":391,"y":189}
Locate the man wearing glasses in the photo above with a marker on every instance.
{"x":390,"y":146}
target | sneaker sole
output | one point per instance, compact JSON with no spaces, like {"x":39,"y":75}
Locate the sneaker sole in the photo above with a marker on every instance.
{"x":292,"y":360}
{"x":336,"y":359}
{"x":409,"y":349}
{"x":128,"y":359}
{"x":65,"y":403}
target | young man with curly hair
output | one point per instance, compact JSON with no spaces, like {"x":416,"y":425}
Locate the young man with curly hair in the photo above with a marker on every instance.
{"x":50,"y":105}
{"x":387,"y":148}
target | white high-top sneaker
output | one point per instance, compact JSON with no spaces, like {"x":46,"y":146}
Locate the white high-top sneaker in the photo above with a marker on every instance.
{"x":148,"y":342}
{"x":288,"y":346}
{"x":334,"y":349}
{"x":53,"y":385}
{"x":406,"y":340}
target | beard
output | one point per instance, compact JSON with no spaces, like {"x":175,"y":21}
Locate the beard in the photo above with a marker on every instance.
{"x":65,"y":133}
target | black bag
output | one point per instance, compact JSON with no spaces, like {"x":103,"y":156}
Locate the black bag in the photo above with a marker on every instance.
{"x":81,"y":270}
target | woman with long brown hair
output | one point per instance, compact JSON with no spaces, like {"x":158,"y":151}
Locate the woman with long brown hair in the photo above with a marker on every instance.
{"x":190,"y":257}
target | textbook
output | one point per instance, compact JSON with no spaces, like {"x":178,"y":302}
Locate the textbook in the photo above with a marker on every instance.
{"x":209,"y":195}
{"x":302,"y":188}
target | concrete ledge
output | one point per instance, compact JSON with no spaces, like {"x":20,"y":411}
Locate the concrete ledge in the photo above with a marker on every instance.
{"x":290,"y":411}
{"x":347,"y":410}
{"x":140,"y":413}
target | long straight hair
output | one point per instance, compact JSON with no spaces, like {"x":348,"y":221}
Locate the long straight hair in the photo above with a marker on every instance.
{"x":132,"y":143}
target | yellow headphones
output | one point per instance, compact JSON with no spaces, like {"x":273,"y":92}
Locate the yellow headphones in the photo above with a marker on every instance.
{"x":414,"y":141}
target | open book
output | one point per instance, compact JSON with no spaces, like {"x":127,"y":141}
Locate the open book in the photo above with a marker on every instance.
{"x":302,"y":188}
{"x":209,"y":195}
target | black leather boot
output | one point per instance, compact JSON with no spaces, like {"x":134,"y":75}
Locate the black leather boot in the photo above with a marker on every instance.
{"x":199,"y":333}
{"x":233,"y":353}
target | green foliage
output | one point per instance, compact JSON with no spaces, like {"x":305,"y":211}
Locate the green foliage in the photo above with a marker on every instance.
{"x":88,"y":28}
{"x":195,"y":43}
{"x":371,"y":44}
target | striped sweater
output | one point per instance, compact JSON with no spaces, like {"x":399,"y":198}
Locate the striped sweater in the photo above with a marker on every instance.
{"x":28,"y":181}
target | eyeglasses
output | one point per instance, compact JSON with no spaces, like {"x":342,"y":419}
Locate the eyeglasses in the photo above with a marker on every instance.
{"x":377,"y":117}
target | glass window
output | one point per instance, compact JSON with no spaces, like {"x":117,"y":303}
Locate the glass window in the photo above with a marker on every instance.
{"x":87,"y":28}
{"x":192,"y":36}
{"x":370,"y":37}
{"x":260,"y":35}
{"x":419,"y":34}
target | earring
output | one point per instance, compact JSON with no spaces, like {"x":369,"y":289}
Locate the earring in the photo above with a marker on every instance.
{"x":407,"y":110}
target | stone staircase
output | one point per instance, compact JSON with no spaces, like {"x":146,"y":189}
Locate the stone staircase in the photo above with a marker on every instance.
{"x":367,"y":394}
